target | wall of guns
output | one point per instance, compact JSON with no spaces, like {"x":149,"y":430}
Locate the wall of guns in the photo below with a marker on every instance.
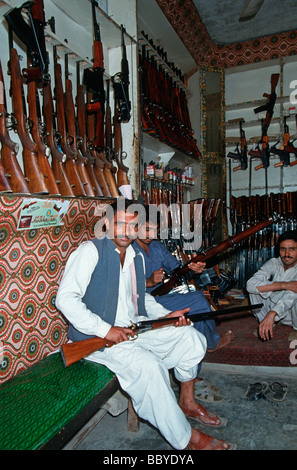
{"x":71,"y":145}
{"x":247,"y":211}
{"x":165,"y":113}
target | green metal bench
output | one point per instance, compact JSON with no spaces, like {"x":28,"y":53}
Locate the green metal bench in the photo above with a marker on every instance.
{"x":44,"y":406}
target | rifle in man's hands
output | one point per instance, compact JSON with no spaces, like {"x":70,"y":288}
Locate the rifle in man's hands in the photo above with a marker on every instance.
{"x":73,"y":352}
{"x":174,"y":278}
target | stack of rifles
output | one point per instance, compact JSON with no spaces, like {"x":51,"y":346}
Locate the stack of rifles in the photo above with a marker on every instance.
{"x":165,"y":113}
{"x":248,"y":211}
{"x":81,"y":143}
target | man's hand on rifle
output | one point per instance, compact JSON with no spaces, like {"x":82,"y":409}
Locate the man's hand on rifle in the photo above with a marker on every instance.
{"x":197,"y":267}
{"x":118,"y":334}
{"x":155,"y":278}
{"x":182,"y":321}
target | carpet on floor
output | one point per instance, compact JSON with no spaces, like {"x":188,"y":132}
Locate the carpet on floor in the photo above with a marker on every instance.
{"x":247,"y":349}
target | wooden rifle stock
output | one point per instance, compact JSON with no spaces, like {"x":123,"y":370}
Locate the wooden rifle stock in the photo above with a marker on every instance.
{"x":42,"y":150}
{"x":32,"y":170}
{"x":80,"y":159}
{"x":70,"y":163}
{"x":208,"y":255}
{"x":10,"y":168}
{"x":58,"y":158}
{"x":122,"y":177}
{"x":98,"y":163}
{"x":74,"y":352}
{"x":81,"y":120}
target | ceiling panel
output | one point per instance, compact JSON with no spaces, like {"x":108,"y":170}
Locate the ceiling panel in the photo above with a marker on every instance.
{"x":221,"y":19}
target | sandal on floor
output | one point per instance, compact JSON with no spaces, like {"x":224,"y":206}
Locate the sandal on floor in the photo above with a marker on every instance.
{"x":201,"y":412}
{"x":256,"y":391}
{"x":209,"y":443}
{"x":276,"y":392}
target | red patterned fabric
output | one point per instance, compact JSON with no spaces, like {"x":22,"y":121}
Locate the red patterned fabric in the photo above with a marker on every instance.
{"x":31,"y":266}
{"x":247,"y":349}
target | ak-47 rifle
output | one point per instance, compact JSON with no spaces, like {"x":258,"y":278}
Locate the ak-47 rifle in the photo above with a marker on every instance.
{"x":174,"y":277}
{"x":74,"y":352}
{"x":290,"y":147}
{"x":121,"y":85}
{"x":71,"y":128}
{"x":12,"y":178}
{"x":264,"y":153}
{"x":241,"y":154}
{"x":32,"y":170}
{"x":282,"y":151}
{"x":94,"y":81}
{"x":122,"y":173}
{"x":32,"y":36}
{"x":82,"y":132}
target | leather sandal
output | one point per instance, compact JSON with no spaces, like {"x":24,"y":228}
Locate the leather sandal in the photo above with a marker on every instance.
{"x":209,"y":443}
{"x":201,"y":412}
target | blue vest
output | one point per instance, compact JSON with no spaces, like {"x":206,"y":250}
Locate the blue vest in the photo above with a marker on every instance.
{"x":102,"y":293}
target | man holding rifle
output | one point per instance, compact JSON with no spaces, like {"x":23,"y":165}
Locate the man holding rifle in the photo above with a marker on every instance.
{"x":275,"y":284}
{"x":101,"y":293}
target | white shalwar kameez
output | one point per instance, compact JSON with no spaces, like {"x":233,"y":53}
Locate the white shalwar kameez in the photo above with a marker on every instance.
{"x":141,"y":365}
{"x":283,"y":302}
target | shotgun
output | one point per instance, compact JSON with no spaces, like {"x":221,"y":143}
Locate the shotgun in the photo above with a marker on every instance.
{"x":73,"y":352}
{"x":32,"y":170}
{"x":173,"y":278}
{"x":71,"y":128}
{"x":42,"y":150}
{"x":70,"y":163}
{"x":58,"y":157}
{"x":12,"y":173}
{"x":82,"y":132}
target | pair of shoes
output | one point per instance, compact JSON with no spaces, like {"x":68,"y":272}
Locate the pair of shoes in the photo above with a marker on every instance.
{"x":256,"y":391}
{"x":205,"y":391}
{"x":199,"y":413}
{"x":209,"y":443}
{"x":277,"y":392}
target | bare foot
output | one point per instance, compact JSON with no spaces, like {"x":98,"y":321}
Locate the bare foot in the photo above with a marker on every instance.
{"x":224,"y":340}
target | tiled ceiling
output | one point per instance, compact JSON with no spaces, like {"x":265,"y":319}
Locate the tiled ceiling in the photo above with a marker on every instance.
{"x":221,"y":19}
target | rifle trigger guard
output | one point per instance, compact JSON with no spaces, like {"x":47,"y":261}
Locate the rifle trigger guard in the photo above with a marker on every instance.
{"x":134,"y":328}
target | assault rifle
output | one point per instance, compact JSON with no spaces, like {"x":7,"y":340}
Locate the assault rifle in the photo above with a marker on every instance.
{"x":12,"y":178}
{"x":241,"y":154}
{"x":121,"y":86}
{"x":74,"y":352}
{"x":32,"y":37}
{"x":291,"y":147}
{"x":283,"y":152}
{"x":93,"y":80}
{"x":264,"y":152}
{"x":174,"y":278}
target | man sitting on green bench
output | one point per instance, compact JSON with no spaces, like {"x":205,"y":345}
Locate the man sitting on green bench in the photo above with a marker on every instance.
{"x":101,"y":293}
